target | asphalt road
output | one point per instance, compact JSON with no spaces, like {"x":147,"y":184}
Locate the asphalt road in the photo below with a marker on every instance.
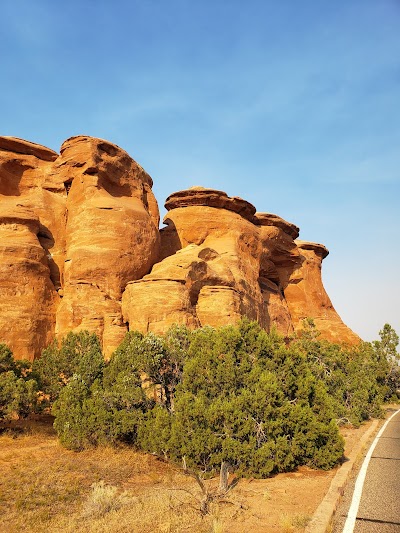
{"x":379,"y":506}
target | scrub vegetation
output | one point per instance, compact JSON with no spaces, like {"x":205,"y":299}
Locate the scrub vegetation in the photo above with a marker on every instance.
{"x":235,"y":395}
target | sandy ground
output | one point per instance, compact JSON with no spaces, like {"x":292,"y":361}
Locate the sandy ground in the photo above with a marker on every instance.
{"x":43,"y":486}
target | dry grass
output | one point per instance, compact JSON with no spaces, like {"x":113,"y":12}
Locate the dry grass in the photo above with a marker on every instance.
{"x":44,"y":487}
{"x":294,"y":523}
{"x":105,"y":499}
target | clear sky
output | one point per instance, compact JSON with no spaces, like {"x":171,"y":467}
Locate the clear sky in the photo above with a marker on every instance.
{"x":292,"y":105}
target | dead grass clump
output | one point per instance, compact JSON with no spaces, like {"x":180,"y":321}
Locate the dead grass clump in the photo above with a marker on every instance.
{"x":104,"y":499}
{"x":290,"y":523}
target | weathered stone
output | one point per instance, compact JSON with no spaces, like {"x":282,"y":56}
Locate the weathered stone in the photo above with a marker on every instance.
{"x":97,"y":227}
{"x":307,"y":298}
{"x":27,"y":296}
{"x":214,"y":253}
{"x":80,"y":249}
{"x":269,"y":219}
{"x":111,"y":235}
{"x":279,"y":258}
{"x":211,"y":198}
{"x":20,"y":146}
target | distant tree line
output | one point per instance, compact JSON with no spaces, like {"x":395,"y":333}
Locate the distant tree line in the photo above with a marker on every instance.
{"x":235,"y":394}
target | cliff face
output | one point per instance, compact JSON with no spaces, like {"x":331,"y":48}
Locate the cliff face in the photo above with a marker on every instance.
{"x":80,"y":249}
{"x":76,"y":227}
{"x":210,"y":267}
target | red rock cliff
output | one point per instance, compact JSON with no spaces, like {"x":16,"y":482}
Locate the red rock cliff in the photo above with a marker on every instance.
{"x":80,"y":248}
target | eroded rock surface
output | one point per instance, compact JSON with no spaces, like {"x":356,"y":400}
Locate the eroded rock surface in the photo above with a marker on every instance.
{"x":111,"y":235}
{"x":213,"y":253}
{"x":80,"y":249}
{"x":306,"y":296}
{"x":27,"y":296}
{"x":220,"y":261}
{"x":96,"y":227}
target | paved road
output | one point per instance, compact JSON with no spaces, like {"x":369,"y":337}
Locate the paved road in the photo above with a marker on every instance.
{"x":379,"y":506}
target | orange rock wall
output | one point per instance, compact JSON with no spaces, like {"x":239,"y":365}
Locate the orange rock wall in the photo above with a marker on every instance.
{"x":80,"y":249}
{"x":75,"y":228}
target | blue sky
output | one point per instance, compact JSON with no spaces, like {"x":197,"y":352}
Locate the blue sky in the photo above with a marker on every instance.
{"x":291,"y":105}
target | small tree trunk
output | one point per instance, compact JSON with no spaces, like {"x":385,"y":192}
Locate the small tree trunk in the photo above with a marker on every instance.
{"x":223,"y":477}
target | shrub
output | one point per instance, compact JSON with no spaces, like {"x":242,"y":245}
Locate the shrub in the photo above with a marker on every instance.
{"x":78,"y":354}
{"x":103,"y":499}
{"x":247,"y":399}
{"x":18,"y":390}
{"x":233,"y":394}
{"x":388,"y":360}
{"x":106,"y":410}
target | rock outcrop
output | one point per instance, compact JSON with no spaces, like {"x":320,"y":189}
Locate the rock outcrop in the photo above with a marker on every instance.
{"x":111,"y":235}
{"x":220,"y":260}
{"x":306,"y":295}
{"x":80,"y":248}
{"x":90,"y":221}
{"x":212,"y":254}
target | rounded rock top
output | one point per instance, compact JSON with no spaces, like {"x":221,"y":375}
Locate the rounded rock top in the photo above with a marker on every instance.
{"x":269,"y":219}
{"x":201,"y":196}
{"x":319,"y":249}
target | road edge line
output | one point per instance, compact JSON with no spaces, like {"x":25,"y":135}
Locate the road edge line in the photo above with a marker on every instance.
{"x":355,"y":501}
{"x":322,"y":517}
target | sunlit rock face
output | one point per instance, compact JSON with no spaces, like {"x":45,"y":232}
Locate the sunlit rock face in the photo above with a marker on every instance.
{"x":111,"y":235}
{"x":279,"y":258}
{"x":220,"y":261}
{"x":96,"y":226}
{"x":80,"y":248}
{"x":306,"y":296}
{"x":32,"y":215}
{"x":212,"y":252}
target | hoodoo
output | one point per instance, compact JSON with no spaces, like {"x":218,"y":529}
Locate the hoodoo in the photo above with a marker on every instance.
{"x":80,"y":248}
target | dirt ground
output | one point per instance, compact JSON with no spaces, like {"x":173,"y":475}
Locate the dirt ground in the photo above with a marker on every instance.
{"x":45,"y":487}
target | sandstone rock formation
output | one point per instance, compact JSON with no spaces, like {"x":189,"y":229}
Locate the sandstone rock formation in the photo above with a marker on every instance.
{"x":213,"y":252}
{"x":31,"y":215}
{"x":27,"y":296}
{"x":220,"y":260}
{"x":91,"y":222}
{"x":111,"y":235}
{"x":306,"y":296}
{"x":80,"y":248}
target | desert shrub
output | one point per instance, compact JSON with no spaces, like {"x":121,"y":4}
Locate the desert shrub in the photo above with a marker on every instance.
{"x":262,"y":403}
{"x":78,"y":354}
{"x":353,"y":376}
{"x":388,"y":362}
{"x":18,"y":390}
{"x":91,"y":416}
{"x":245,"y":398}
{"x":107,"y":410}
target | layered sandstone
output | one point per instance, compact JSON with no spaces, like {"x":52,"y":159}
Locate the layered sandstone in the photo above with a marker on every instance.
{"x":32,"y":212}
{"x":27,"y":296}
{"x":279,"y":258}
{"x":307,"y":298}
{"x":111,"y":235}
{"x":80,"y":249}
{"x":94,"y":223}
{"x":213,"y":264}
{"x":220,"y":261}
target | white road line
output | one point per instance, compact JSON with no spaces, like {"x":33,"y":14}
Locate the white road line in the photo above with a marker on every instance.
{"x":355,"y":502}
